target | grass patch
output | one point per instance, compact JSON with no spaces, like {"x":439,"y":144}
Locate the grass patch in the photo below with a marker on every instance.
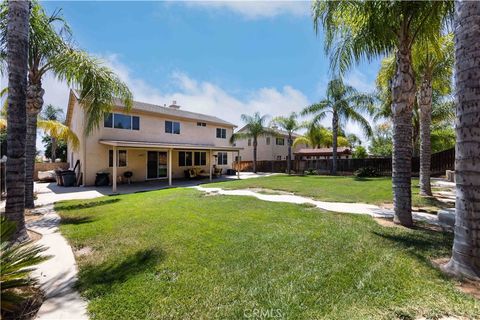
{"x":335,"y":189}
{"x":179,"y":254}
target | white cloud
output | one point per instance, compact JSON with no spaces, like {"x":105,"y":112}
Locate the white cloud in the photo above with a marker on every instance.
{"x":252,"y":9}
{"x":209,"y":98}
{"x":360,"y":81}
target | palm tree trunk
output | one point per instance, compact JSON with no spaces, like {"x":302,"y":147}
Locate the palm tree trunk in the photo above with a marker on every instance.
{"x":334,"y":142}
{"x":34,"y":106}
{"x":403,"y":96}
{"x":465,"y":259}
{"x":17,"y":59}
{"x":255,"y":154}
{"x":53,"y":149}
{"x":289,"y":162}
{"x":425,"y":105}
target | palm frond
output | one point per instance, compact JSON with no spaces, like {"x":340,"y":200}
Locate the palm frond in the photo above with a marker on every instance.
{"x":60,"y":131}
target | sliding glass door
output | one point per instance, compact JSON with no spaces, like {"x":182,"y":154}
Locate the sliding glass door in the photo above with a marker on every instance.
{"x":157,"y":164}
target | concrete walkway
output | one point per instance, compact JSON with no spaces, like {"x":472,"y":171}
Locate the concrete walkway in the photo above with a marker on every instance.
{"x":57,"y":275}
{"x":342,"y":207}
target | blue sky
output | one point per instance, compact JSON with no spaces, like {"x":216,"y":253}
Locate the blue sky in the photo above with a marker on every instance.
{"x":222,"y":58}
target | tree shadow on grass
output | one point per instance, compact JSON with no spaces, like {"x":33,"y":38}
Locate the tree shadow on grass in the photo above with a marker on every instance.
{"x":85,"y":205}
{"x":97,"y":280}
{"x":423,"y":245}
{"x":76,"y":220}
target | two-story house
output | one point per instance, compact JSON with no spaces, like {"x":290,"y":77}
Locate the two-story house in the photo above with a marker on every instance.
{"x":269,"y":147}
{"x":150,"y":141}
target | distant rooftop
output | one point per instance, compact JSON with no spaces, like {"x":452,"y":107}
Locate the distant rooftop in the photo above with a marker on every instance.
{"x":322,"y":151}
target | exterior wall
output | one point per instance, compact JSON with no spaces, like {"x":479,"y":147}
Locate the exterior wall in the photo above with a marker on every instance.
{"x":48,"y":166}
{"x":265,"y":152}
{"x":94,"y":155}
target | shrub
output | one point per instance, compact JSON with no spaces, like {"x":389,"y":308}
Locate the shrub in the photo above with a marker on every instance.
{"x":310,"y":172}
{"x":367,"y":172}
{"x":17,"y":260}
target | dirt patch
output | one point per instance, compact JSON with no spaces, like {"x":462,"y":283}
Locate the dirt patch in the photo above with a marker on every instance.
{"x":29,"y":307}
{"x":466,"y":286}
{"x":34,"y":236}
{"x":32,"y":217}
{"x":82,"y":252}
{"x":419,"y":225}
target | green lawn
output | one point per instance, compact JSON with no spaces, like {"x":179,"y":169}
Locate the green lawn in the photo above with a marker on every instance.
{"x":328,"y":188}
{"x":179,"y":254}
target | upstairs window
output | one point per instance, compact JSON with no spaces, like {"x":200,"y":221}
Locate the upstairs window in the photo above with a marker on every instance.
{"x":121,"y":121}
{"x":280,"y":141}
{"x":172,"y":127}
{"x":249,"y":142}
{"x":221,"y":133}
{"x":267,"y":140}
{"x":201,"y":124}
{"x":222,"y":158}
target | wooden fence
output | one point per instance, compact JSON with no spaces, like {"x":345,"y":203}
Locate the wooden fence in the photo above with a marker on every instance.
{"x":440,"y":161}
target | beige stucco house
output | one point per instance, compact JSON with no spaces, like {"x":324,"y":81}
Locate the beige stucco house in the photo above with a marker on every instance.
{"x":151,"y":141}
{"x":269,"y":147}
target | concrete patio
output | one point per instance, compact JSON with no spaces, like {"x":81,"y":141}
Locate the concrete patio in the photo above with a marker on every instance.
{"x":48,"y":193}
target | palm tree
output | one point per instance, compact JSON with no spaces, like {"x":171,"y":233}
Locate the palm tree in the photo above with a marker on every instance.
{"x":254,"y":128}
{"x":433,"y":68}
{"x":344,"y":103}
{"x":355,"y":30}
{"x":54,"y":114}
{"x":15,"y":49}
{"x":465,"y":259}
{"x":289,"y":124}
{"x":51,"y":51}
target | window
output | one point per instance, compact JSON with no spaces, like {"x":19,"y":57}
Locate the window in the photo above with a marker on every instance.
{"x":280,"y":141}
{"x":222,"y":158}
{"x":121,"y":158}
{"x":221,"y":133}
{"x":184,"y":158}
{"x":267,"y":141}
{"x":279,"y":157}
{"x":121,"y":121}
{"x":249,"y":142}
{"x":201,"y":124}
{"x":172,"y":127}
{"x":200,"y":158}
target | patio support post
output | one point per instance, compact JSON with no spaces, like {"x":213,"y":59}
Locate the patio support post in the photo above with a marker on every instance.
{"x":211,"y":164}
{"x":114,"y":170}
{"x":238,"y":164}
{"x":170,"y":167}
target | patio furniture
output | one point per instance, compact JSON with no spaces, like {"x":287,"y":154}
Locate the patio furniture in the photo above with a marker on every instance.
{"x":102,"y":179}
{"x":217,"y":172}
{"x":195,"y":173}
{"x":128,"y":175}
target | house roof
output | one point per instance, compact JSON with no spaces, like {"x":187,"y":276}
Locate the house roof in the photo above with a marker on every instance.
{"x":156,"y":109}
{"x":322,"y":151}
{"x":280,"y":132}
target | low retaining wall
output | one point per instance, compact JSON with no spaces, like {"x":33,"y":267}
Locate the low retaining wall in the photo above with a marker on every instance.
{"x":47,"y":166}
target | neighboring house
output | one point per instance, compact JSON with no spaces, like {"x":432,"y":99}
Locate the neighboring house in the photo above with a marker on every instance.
{"x":270,"y":147}
{"x":322,"y":153}
{"x":151,"y":141}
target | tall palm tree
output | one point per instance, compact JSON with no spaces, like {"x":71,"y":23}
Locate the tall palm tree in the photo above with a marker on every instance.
{"x":255,"y":127}
{"x":465,"y":259}
{"x":355,"y":30}
{"x":289,"y":124}
{"x":344,"y":103}
{"x":51,"y":51}
{"x":54,"y":114}
{"x":15,"y":43}
{"x":433,"y":68}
